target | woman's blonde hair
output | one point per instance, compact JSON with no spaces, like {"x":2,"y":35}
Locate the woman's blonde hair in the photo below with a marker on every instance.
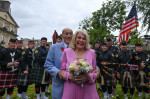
{"x":72,"y":43}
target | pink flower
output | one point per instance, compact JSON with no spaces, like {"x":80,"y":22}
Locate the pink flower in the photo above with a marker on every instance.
{"x":76,"y":68}
{"x":77,"y":62}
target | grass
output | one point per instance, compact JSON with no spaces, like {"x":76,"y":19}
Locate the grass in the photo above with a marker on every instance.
{"x":32,"y":95}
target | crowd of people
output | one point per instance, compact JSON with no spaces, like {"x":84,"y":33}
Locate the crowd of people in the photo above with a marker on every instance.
{"x":110,"y":66}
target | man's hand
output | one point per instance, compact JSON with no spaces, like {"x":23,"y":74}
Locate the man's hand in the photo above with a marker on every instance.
{"x":142,"y":65}
{"x":10,"y":64}
{"x":80,"y":79}
{"x":26,"y":72}
{"x":103,"y":63}
{"x":118,"y":75}
{"x":16,"y":63}
{"x":136,"y":57}
{"x":61,"y":75}
{"x":97,"y":71}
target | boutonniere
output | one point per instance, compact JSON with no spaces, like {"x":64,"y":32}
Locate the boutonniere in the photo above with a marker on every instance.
{"x":62,"y":48}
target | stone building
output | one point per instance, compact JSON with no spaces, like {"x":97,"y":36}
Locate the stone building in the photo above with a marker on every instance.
{"x":8,"y":26}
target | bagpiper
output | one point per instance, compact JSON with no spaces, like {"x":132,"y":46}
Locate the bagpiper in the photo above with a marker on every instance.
{"x":39,"y":77}
{"x":25,"y":70}
{"x":142,"y":79}
{"x":114,"y":50}
{"x":9,"y":62}
{"x":106,"y":71}
{"x":127,"y":77}
{"x":97,"y":47}
{"x":19,"y":47}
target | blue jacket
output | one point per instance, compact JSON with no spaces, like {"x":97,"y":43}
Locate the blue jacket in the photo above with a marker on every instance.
{"x":52,"y":65}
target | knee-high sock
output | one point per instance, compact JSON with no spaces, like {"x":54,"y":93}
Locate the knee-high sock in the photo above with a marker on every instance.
{"x":37,"y":89}
{"x":109,"y":88}
{"x":24,"y":88}
{"x":2,"y":93}
{"x":43,"y":87}
{"x":132,"y":91}
{"x":19,"y":89}
{"x":124,"y":90}
{"x":10,"y":91}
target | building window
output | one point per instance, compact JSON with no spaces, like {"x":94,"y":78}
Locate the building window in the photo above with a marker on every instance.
{"x":4,"y":24}
{"x":11,"y":28}
{"x":2,"y":38}
{"x":5,"y":17}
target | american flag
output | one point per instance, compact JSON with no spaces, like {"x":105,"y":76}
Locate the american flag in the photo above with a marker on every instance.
{"x":130,"y":24}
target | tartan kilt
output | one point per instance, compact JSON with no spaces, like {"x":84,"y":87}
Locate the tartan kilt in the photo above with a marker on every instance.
{"x":123,"y":80}
{"x":8,"y":79}
{"x":148,"y":80}
{"x":23,"y":79}
{"x":36,"y":74}
{"x":107,"y":80}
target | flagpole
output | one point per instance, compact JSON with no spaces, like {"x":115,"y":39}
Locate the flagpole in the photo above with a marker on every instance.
{"x":136,"y":26}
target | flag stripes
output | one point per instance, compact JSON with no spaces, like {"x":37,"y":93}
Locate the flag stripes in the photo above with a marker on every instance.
{"x":130,"y":24}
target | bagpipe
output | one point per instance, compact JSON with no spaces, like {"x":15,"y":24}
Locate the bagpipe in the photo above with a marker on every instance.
{"x":110,"y":65}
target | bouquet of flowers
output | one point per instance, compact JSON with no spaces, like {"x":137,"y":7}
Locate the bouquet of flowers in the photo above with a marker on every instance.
{"x":80,"y":66}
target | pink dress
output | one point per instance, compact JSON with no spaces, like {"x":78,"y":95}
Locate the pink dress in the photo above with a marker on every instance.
{"x":73,"y":90}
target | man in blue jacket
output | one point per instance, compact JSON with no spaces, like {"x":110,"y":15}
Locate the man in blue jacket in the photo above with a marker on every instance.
{"x":52,"y":63}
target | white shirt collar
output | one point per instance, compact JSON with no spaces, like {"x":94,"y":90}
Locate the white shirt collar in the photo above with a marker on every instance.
{"x":65,"y":45}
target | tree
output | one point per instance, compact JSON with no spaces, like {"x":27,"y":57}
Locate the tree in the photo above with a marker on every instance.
{"x":134,"y":39}
{"x":143,"y":6}
{"x":105,"y":20}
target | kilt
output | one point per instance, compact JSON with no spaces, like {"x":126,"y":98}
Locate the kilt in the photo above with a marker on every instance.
{"x":23,"y":79}
{"x":8,"y":79}
{"x":36,"y":74}
{"x":128,"y":79}
{"x":107,"y":79}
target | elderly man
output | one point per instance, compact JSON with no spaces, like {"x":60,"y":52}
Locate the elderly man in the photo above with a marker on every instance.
{"x":52,"y":64}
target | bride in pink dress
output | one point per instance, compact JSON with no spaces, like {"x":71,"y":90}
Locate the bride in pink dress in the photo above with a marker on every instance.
{"x":79,"y":48}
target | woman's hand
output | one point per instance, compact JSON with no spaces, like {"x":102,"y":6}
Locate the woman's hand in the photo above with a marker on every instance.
{"x":80,"y":79}
{"x":71,"y":78}
{"x":97,"y":71}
